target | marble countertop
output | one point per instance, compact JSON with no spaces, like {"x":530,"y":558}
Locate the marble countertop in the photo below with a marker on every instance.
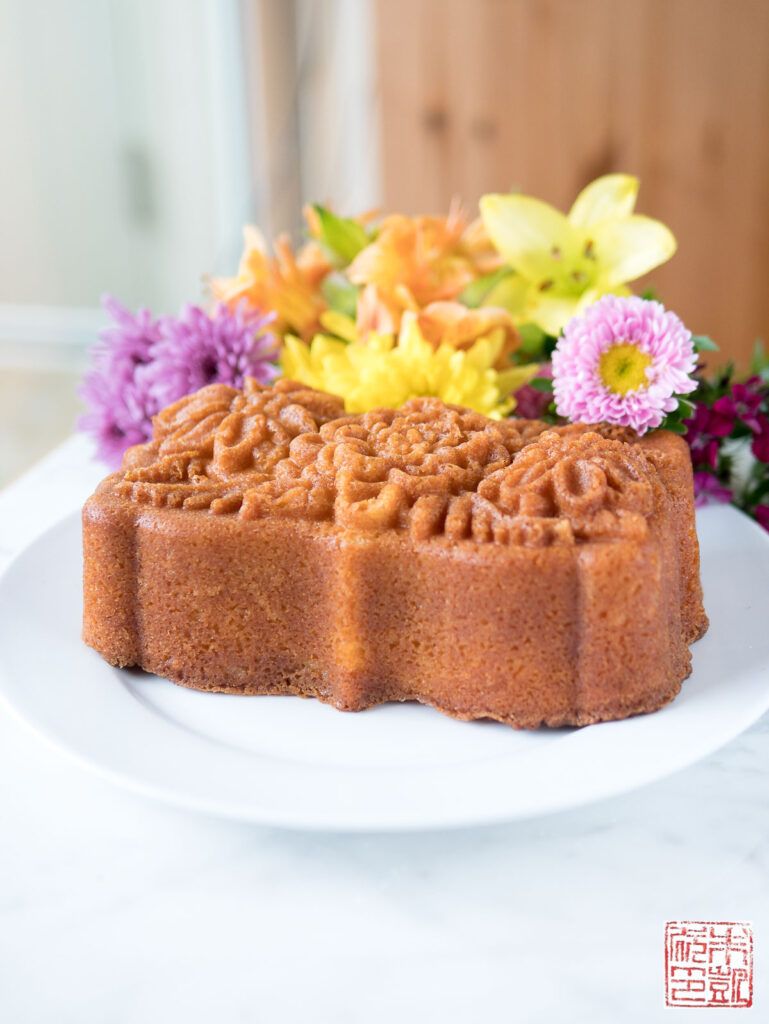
{"x":117,"y":909}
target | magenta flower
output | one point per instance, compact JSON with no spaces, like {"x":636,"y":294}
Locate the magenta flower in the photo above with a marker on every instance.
{"x":722,"y":417}
{"x":708,"y":489}
{"x":760,"y":445}
{"x":141,"y":365}
{"x":747,"y":399}
{"x":743,"y":403}
{"x":530,"y":404}
{"x":625,"y":361}
{"x":761,"y":512}
{"x":704,"y":447}
{"x":197,"y":348}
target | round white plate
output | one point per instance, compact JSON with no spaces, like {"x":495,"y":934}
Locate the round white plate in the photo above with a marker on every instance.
{"x":298,"y":763}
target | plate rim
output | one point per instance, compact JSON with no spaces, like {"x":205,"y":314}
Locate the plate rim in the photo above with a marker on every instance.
{"x":328,"y":820}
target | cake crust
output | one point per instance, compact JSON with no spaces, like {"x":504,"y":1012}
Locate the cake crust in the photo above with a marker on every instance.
{"x":265,"y":542}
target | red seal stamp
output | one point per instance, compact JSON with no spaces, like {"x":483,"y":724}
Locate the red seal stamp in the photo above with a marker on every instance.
{"x":708,"y":963}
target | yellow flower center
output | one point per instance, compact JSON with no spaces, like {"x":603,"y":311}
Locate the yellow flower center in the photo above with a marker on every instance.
{"x":623,"y":368}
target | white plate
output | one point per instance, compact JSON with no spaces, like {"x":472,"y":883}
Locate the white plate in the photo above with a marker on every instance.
{"x":298,"y":763}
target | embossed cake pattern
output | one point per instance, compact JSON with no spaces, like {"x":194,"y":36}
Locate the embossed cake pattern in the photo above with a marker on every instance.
{"x":433,"y":469}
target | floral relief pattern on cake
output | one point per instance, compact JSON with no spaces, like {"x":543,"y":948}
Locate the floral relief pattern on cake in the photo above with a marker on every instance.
{"x":368,"y":471}
{"x":210,"y":447}
{"x":602,"y":487}
{"x":432,"y":469}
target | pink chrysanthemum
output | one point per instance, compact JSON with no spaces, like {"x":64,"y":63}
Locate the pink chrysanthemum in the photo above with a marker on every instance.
{"x":625,"y":361}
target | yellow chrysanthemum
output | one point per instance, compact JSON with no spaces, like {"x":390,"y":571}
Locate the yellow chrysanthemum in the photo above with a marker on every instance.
{"x":564,"y":263}
{"x":460,"y":327}
{"x":384,"y":373}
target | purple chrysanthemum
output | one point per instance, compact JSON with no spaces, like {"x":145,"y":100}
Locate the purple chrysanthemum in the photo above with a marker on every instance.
{"x":197,"y":348}
{"x":141,"y":365}
{"x":624,"y":360}
{"x":119,"y":409}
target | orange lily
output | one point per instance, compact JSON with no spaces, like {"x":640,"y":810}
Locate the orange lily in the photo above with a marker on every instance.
{"x":416,"y":259}
{"x":288,"y":283}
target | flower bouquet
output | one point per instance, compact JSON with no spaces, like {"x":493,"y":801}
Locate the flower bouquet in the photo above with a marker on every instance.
{"x":522,"y":310}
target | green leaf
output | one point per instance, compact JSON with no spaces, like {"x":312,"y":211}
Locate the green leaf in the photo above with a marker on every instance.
{"x":702,"y":343}
{"x":650,"y":295}
{"x":475,"y":292}
{"x":676,"y":427}
{"x":340,"y":294}
{"x":759,"y":363}
{"x":674,"y":420}
{"x":542,"y":384}
{"x":343,"y":237}
{"x":533,"y":339}
{"x":759,"y":492}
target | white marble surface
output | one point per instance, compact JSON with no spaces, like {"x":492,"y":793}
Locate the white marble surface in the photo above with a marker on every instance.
{"x":116,"y":909}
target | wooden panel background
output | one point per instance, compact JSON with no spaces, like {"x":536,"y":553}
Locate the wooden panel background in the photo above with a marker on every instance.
{"x":544,"y":95}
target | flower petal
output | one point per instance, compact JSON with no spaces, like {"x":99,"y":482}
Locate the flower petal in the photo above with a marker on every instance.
{"x":517,"y":376}
{"x":613,"y":195}
{"x":594,"y":294}
{"x":532,"y":236}
{"x":513,"y":294}
{"x":379,"y":373}
{"x":552,"y":312}
{"x":339,"y":324}
{"x":628,"y":248}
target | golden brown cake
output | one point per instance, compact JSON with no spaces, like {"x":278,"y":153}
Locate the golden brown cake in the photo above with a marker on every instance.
{"x":265,"y":542}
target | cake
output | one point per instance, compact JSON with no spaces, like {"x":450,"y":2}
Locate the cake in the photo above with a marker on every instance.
{"x":266,"y":543}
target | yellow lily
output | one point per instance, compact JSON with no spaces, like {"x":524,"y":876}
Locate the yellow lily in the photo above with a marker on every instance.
{"x":563,"y":263}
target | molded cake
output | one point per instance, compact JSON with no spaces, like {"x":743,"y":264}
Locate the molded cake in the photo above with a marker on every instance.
{"x":265,"y":542}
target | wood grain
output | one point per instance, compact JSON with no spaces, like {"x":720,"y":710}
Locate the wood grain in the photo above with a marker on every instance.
{"x":544,"y":95}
